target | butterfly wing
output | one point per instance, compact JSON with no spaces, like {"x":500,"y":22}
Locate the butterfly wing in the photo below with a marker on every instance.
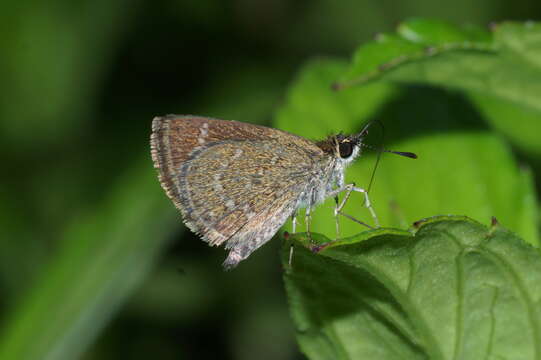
{"x":233,"y":182}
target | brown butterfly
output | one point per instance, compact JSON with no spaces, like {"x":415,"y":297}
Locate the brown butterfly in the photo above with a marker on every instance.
{"x":237,"y":183}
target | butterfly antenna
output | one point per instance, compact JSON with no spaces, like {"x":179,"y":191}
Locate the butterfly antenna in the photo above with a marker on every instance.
{"x":382,"y":135}
{"x":381,"y":149}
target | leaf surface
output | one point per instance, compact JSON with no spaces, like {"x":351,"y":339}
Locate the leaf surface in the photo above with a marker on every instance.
{"x":453,"y":290}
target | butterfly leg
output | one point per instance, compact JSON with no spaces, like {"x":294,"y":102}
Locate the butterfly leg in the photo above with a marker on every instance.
{"x":349,"y":188}
{"x":368,"y":204}
{"x":293,"y":227}
{"x":336,"y":217}
{"x":307,"y":218}
{"x":290,"y":260}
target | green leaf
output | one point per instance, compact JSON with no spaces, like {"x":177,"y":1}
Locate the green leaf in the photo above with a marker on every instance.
{"x":312,"y":101}
{"x":454,"y":289}
{"x":463,"y":167}
{"x":102,"y":259}
{"x":500,"y":71}
{"x":430,"y":32}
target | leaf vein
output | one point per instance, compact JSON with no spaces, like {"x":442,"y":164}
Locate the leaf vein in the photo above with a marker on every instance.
{"x":492,"y":324}
{"x":460,"y":304}
{"x":529,"y":303}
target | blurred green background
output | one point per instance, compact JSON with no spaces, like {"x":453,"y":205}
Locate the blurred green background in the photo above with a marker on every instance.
{"x":94,"y":260}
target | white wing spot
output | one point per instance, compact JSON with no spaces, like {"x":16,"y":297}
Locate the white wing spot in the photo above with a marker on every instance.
{"x":248,"y":211}
{"x":204,"y":129}
{"x":204,"y":132}
{"x":274,"y":159}
{"x":238,"y":153}
{"x":217,"y":185}
{"x":230,"y":204}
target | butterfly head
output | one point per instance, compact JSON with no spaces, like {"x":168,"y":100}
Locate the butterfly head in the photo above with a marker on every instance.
{"x":345,"y":148}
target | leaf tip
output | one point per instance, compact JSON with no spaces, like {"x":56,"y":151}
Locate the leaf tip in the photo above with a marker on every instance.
{"x":494,"y":226}
{"x":419,"y":223}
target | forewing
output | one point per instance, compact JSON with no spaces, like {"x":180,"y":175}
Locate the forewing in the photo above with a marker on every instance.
{"x":226,"y":176}
{"x":175,"y":137}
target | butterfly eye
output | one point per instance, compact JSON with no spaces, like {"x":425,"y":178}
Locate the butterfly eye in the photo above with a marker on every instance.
{"x":346,"y":149}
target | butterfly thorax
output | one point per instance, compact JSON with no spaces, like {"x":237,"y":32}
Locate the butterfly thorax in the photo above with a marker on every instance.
{"x":338,"y":152}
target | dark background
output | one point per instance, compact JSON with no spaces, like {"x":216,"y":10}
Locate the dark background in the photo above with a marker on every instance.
{"x":81,"y":82}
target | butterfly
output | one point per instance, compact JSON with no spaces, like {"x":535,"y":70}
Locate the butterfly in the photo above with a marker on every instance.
{"x":236,"y":183}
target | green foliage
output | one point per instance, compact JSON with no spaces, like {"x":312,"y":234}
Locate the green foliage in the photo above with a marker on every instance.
{"x":84,"y":220}
{"x":499,"y":71}
{"x":90,"y":277}
{"x":468,"y":170}
{"x":458,"y":97}
{"x":453,"y":290}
